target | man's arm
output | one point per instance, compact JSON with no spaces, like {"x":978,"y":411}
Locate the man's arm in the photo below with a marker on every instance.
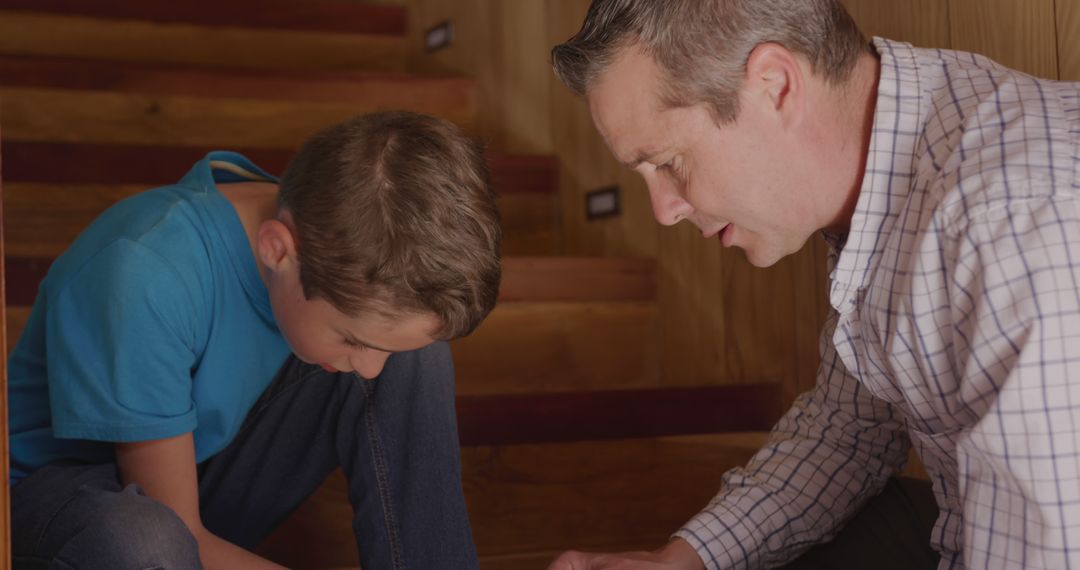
{"x":1016,"y":313}
{"x":831,"y":452}
{"x":165,"y":469}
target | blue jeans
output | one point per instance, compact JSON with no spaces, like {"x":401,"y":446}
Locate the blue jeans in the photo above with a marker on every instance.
{"x":394,"y":437}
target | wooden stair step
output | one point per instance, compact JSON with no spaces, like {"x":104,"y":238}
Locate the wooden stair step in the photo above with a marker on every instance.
{"x":432,"y":94}
{"x":296,"y":35}
{"x":560,"y":346}
{"x":314,"y":15}
{"x":60,"y":115}
{"x":54,"y":190}
{"x":601,"y":335}
{"x":508,"y":419}
{"x":58,"y":163}
{"x":567,"y":278}
{"x":544,"y":498}
{"x":509,"y":412}
{"x":538,"y":348}
{"x":43,"y":219}
{"x":525,"y":279}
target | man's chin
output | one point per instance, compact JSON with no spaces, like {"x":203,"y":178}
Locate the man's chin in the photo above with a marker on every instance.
{"x":763,"y":259}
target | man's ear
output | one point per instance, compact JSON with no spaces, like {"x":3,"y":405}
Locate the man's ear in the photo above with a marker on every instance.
{"x":775,"y":82}
{"x":276,"y":244}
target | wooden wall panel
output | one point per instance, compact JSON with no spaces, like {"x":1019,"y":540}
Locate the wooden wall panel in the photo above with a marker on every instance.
{"x":501,"y":44}
{"x":1068,"y":30}
{"x":587,"y":163}
{"x":920,"y":22}
{"x":1020,"y":34}
{"x":726,"y":322}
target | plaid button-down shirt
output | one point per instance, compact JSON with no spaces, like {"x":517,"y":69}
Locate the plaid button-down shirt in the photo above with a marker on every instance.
{"x":956,"y":329}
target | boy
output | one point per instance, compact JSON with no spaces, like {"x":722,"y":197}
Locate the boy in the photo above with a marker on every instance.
{"x":153,"y":424}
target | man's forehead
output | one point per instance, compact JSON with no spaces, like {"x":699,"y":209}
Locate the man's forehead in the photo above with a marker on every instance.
{"x":624,"y":102}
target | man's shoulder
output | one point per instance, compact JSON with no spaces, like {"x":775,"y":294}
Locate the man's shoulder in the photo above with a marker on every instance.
{"x":992,"y":137}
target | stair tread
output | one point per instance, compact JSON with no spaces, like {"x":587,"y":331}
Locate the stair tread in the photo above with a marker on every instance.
{"x":212,"y":81}
{"x":309,"y":15}
{"x":74,"y":163}
{"x":525,"y":279}
{"x":222,"y":43}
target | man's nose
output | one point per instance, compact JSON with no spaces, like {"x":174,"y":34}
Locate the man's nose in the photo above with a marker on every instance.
{"x":668,"y":206}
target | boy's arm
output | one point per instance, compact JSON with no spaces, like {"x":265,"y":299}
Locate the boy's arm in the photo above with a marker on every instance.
{"x":165,"y":469}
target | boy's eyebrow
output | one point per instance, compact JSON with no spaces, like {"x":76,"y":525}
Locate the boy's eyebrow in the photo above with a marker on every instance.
{"x":352,"y":339}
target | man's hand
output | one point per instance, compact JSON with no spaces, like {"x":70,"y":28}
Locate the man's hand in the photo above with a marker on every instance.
{"x":675,"y":555}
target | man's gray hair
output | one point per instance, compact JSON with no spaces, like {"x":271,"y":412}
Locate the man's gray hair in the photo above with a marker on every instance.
{"x":701,"y":46}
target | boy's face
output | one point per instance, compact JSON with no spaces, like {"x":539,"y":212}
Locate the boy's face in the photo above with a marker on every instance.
{"x":320,"y":334}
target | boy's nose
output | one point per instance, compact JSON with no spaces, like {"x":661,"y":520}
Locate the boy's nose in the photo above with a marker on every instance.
{"x":368,"y":364}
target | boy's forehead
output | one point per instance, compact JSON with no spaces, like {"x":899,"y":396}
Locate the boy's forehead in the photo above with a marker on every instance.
{"x":391,"y":333}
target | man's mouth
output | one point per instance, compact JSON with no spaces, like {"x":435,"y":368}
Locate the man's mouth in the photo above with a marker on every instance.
{"x":715,"y":233}
{"x":726,"y":235}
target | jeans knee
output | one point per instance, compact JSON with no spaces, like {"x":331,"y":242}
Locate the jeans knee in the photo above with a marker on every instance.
{"x":135,"y":532}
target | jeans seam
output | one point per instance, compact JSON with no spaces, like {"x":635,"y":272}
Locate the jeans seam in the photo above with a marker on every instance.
{"x":52,"y":517}
{"x":382,"y":477}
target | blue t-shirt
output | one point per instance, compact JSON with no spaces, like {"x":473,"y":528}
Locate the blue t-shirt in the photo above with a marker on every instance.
{"x":154,"y":323}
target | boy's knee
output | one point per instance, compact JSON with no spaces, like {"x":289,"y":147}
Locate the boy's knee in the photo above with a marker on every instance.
{"x":437,"y":356}
{"x":132,"y":531}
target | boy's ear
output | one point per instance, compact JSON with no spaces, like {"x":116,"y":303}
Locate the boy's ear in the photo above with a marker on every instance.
{"x":775,"y":81}
{"x":276,"y":244}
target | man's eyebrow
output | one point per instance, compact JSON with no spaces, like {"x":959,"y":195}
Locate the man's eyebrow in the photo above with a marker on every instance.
{"x":642,"y":156}
{"x":353,"y":340}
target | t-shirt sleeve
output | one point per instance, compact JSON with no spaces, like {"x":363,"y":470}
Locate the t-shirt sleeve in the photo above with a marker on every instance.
{"x":119,"y":341}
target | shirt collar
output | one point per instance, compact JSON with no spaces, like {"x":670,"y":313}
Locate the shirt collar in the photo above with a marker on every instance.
{"x":889,"y":169}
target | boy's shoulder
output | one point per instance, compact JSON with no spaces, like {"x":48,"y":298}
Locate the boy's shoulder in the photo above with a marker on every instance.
{"x":163,"y":220}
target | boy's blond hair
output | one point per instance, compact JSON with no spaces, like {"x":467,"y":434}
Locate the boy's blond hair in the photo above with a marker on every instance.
{"x":394,"y":213}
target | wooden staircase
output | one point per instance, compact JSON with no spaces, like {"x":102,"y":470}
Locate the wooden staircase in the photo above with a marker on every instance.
{"x":571,"y":435}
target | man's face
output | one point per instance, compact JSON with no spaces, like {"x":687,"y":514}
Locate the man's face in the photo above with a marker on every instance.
{"x":734,"y":182}
{"x":320,"y":334}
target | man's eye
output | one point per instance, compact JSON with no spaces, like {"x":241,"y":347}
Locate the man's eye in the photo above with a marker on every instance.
{"x":672,"y":167}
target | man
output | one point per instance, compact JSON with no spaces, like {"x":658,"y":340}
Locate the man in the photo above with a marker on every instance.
{"x":947,"y":188}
